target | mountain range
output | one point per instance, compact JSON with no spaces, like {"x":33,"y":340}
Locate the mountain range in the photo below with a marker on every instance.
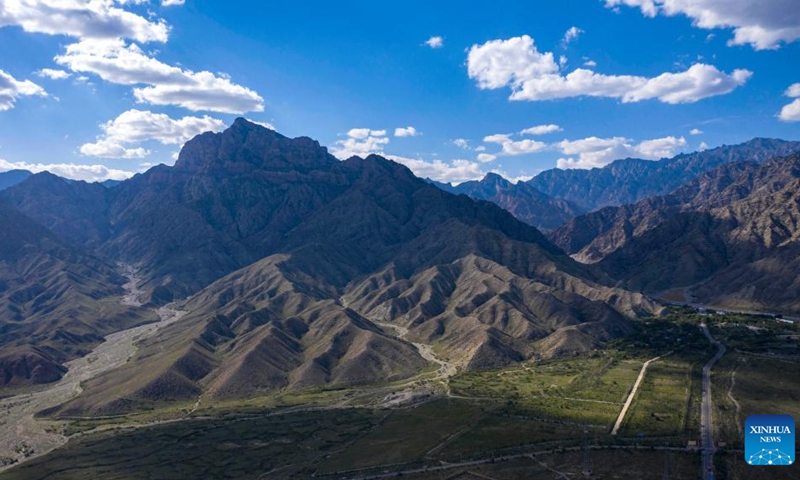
{"x":629,"y":180}
{"x":298,"y":270}
{"x":56,"y":302}
{"x":553,"y":197}
{"x":521,"y":199}
{"x":727,"y":238}
{"x":299,"y":267}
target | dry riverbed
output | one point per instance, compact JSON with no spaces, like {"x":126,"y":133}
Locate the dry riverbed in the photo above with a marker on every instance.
{"x":22,"y":436}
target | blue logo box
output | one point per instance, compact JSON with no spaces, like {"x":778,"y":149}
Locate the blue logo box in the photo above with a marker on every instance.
{"x":769,"y":440}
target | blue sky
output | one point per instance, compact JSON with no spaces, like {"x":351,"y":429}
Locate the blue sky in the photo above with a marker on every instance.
{"x":105,"y":88}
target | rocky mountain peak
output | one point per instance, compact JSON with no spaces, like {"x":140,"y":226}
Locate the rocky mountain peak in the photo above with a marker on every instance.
{"x":246,"y":145}
{"x":495,"y":180}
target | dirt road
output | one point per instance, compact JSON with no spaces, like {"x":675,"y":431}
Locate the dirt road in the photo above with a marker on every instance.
{"x":632,"y":394}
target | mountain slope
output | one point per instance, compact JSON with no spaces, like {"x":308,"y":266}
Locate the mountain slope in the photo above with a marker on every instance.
{"x":521,"y":199}
{"x":630,"y":180}
{"x":340,"y":246}
{"x":12,"y":177}
{"x":54,"y":302}
{"x":591,"y":237}
{"x":76,"y":211}
{"x":728,"y":238}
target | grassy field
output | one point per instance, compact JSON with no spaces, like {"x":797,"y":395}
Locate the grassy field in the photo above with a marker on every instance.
{"x":664,"y":404}
{"x":495,"y":433}
{"x":407,"y":435}
{"x":232,"y":448}
{"x":583,"y":390}
{"x":331,"y":444}
{"x":760,"y":372}
{"x":603,"y":464}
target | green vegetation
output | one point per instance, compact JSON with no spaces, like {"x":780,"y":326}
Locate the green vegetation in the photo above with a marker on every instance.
{"x":583,"y":390}
{"x":495,"y":417}
{"x":223,"y":448}
{"x":407,"y":434}
{"x":495,"y":432}
{"x":760,"y":372}
{"x":663,"y":405}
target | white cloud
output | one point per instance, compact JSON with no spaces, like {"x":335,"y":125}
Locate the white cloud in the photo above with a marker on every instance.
{"x":82,"y":19}
{"x":541,"y":130}
{"x":791,"y":112}
{"x":511,"y":147}
{"x":102,"y":27}
{"x":572,"y":34}
{"x":90,"y":173}
{"x":105,"y":148}
{"x":359,"y":133}
{"x":137,"y":126}
{"x":523,"y":147}
{"x":763,"y":24}
{"x":500,"y":138}
{"x":486,"y":157}
{"x":126,"y":64}
{"x":520,"y":178}
{"x":533,"y":76}
{"x":461,"y":143}
{"x":703,"y":147}
{"x":480,"y":148}
{"x":266,"y":125}
{"x":793,"y":91}
{"x":11,"y":89}
{"x":456,"y":171}
{"x":435,"y":42}
{"x":695,"y":131}
{"x":360,"y":142}
{"x":597,"y":152}
{"x":590,"y":63}
{"x":363,"y":141}
{"x":659,"y":148}
{"x":171,"y":3}
{"x":53,"y":74}
{"x":406,"y":132}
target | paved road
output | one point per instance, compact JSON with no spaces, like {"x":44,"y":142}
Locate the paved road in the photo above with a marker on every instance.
{"x":727,"y":311}
{"x":632,"y":394}
{"x":706,"y":417}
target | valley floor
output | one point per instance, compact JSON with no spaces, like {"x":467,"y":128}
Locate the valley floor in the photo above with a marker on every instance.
{"x":549,"y":419}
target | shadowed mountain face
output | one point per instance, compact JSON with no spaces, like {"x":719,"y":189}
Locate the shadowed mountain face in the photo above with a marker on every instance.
{"x":296,"y":260}
{"x":75,"y":211}
{"x":630,"y":180}
{"x":731,"y":235}
{"x":12,"y":177}
{"x":54,"y":302}
{"x":521,"y":200}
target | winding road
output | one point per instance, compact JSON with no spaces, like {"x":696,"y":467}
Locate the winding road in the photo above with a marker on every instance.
{"x":18,"y":424}
{"x":706,"y":417}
